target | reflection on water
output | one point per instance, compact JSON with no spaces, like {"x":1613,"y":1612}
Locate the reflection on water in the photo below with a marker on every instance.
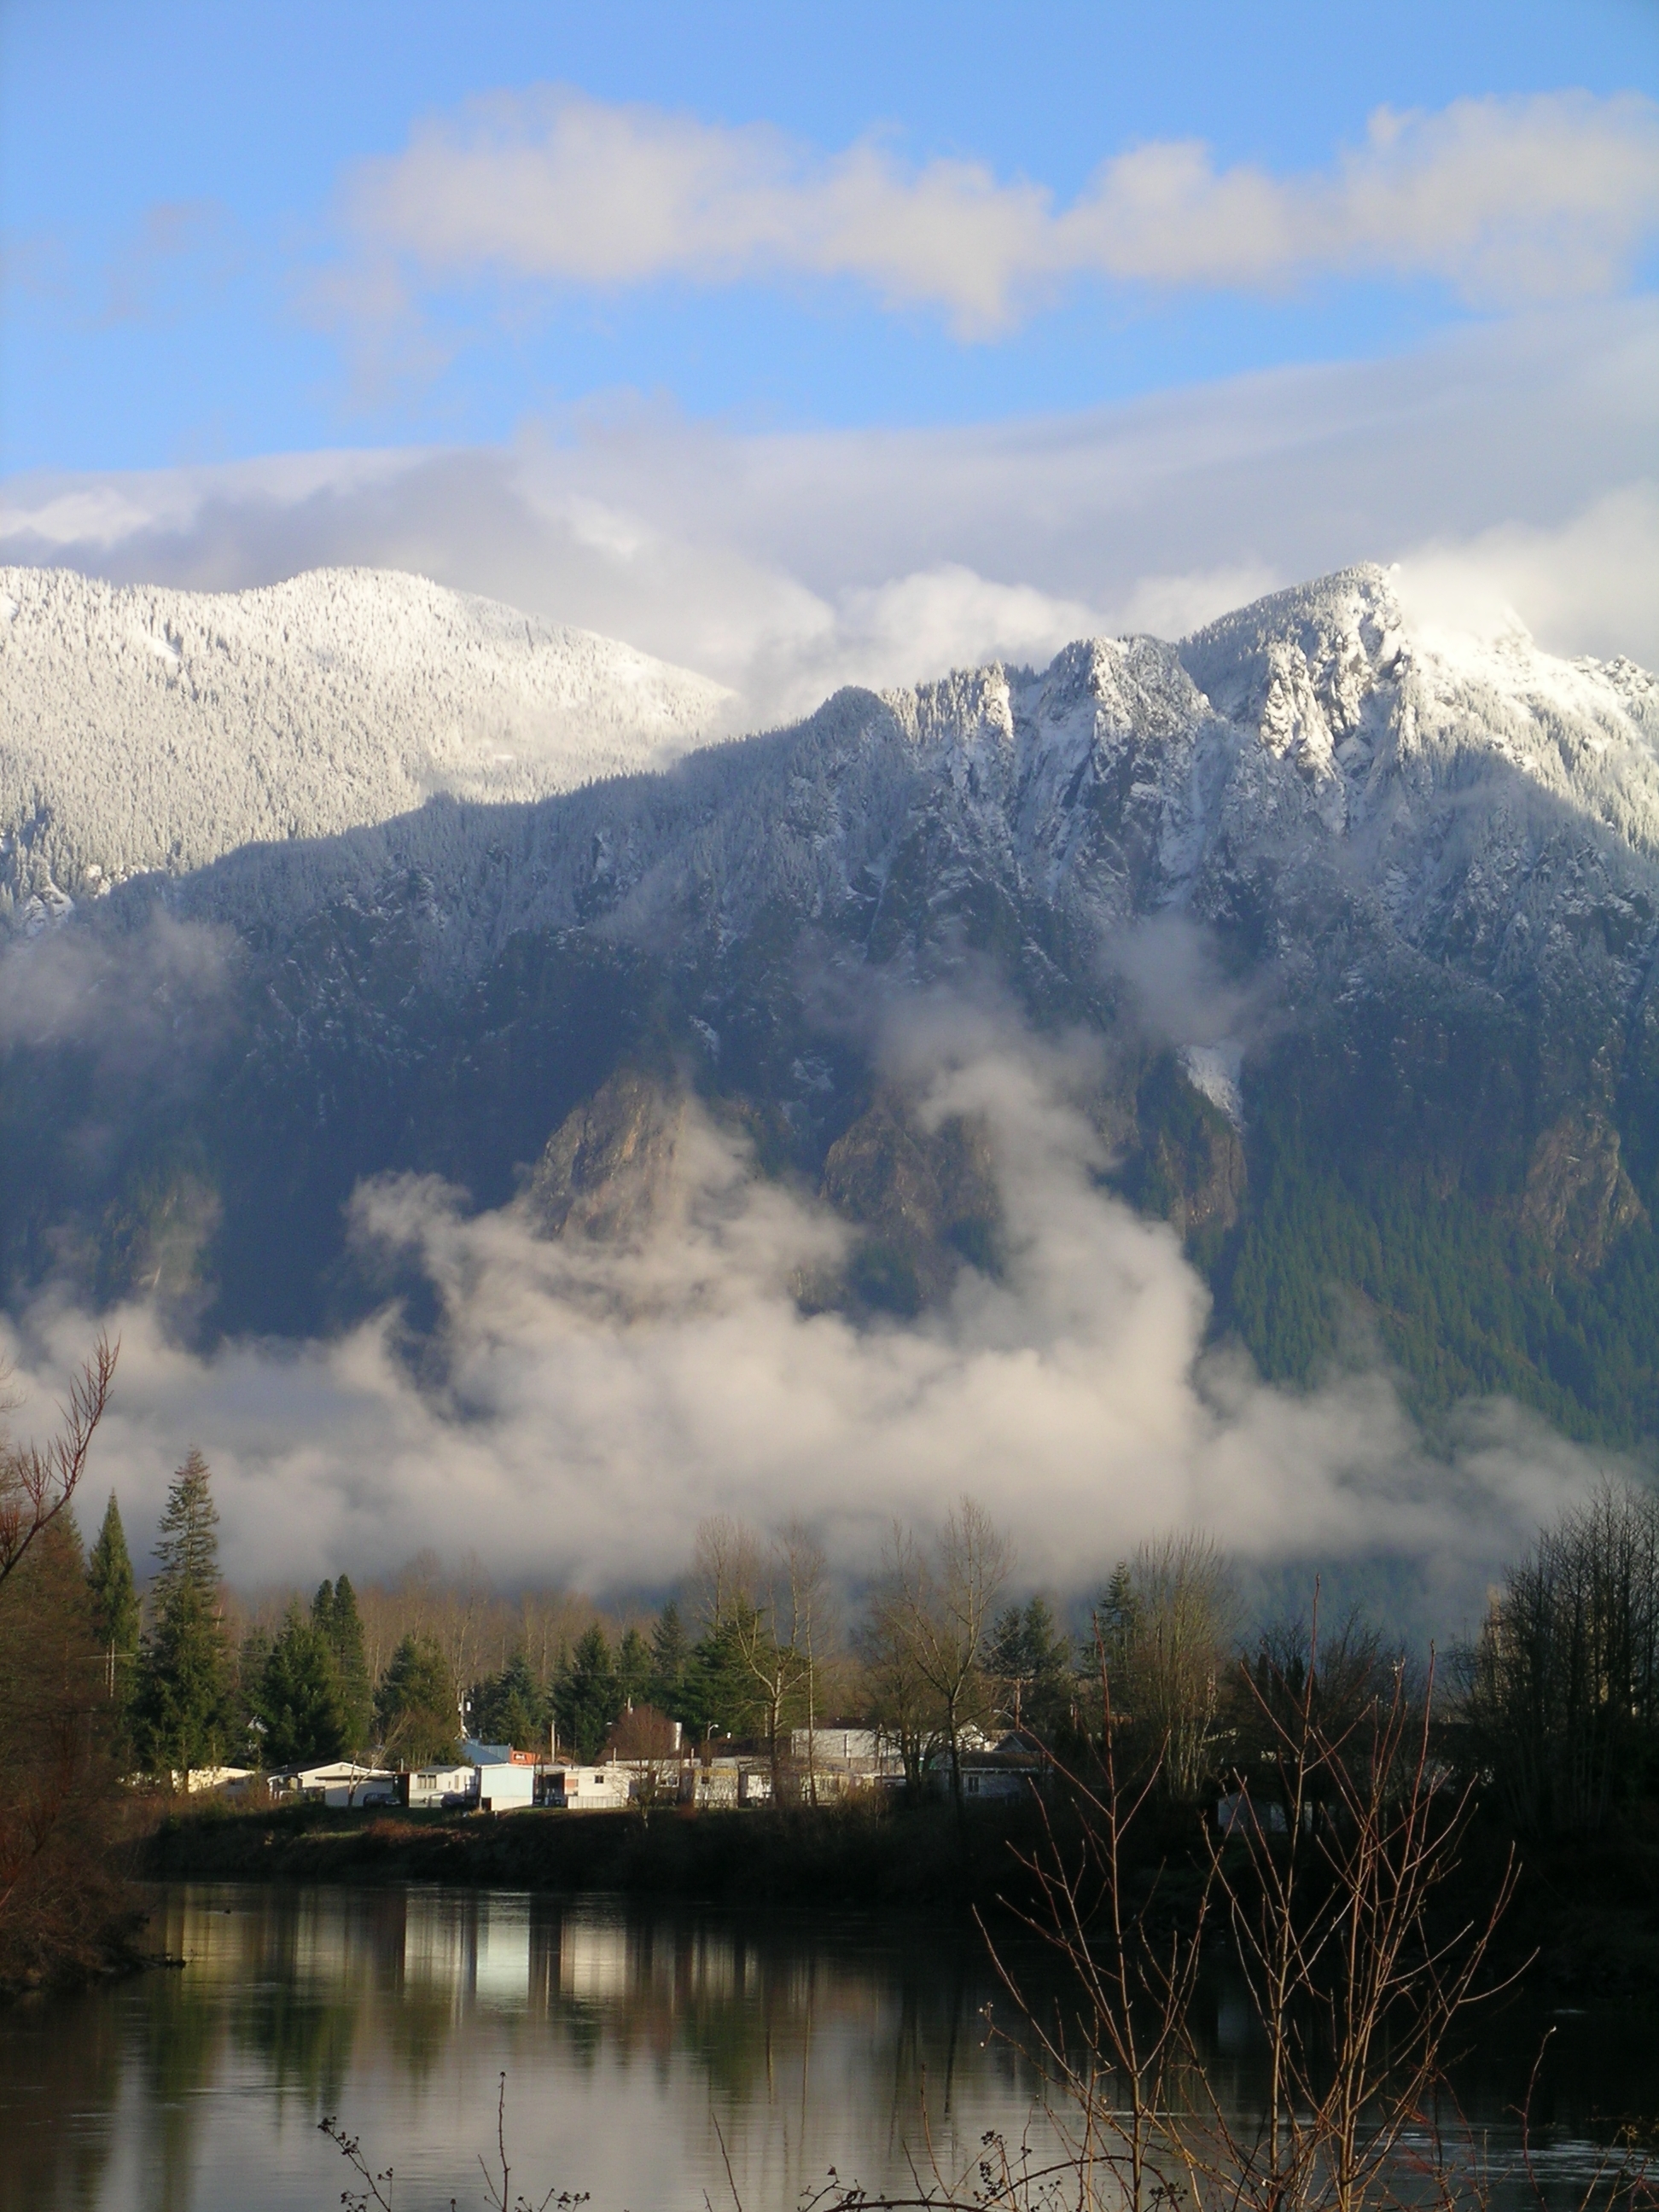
{"x":633,"y":2037}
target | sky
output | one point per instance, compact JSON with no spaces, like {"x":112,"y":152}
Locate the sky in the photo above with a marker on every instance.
{"x":809,"y":345}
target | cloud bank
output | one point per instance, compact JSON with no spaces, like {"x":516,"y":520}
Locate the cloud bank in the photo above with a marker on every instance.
{"x":1503,"y":200}
{"x":1518,"y":466}
{"x":580,"y":1405}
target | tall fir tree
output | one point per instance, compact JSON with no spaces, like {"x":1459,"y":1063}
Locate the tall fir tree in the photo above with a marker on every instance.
{"x":416,"y":1706}
{"x":509,"y":1707}
{"x":633,"y":1669}
{"x":116,"y":1619}
{"x":1048,"y":1659}
{"x":586,"y":1697}
{"x":182,"y":1711}
{"x":298,"y":1695}
{"x":334,"y":1610}
{"x":670,"y":1649}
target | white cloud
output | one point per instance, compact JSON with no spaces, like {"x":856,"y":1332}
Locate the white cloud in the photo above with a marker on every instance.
{"x":1501,"y":199}
{"x":783,"y":563}
{"x":1594,"y":580}
{"x":590,"y":1402}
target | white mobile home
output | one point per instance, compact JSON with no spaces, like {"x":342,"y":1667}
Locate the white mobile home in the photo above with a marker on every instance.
{"x":584,"y":1788}
{"x":429,"y":1787}
{"x":506,"y":1785}
{"x":338,"y":1782}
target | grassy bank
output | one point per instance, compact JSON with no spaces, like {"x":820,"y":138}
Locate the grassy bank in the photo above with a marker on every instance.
{"x":850,"y":1855}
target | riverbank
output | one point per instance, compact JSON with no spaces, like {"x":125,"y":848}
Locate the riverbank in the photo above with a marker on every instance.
{"x":1584,"y":1922}
{"x":845,"y":1856}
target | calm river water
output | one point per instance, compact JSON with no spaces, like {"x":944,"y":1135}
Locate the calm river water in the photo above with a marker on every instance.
{"x":636,"y":2038}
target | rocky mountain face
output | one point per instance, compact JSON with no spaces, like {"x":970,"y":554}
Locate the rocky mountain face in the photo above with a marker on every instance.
{"x":1365,"y":919}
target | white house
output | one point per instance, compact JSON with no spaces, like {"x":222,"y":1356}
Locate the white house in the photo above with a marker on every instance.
{"x":856,"y":1748}
{"x":1016,"y":1767}
{"x":506,"y":1785}
{"x":428,"y":1788}
{"x":337,"y":1781}
{"x":212,"y":1778}
{"x":584,"y":1788}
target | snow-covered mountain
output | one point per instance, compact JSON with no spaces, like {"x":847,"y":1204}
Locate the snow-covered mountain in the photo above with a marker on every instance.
{"x":144,"y":729}
{"x":1315,"y":771}
{"x":1424,"y":1090}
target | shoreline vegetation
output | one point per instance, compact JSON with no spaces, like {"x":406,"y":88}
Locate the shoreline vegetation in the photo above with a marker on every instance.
{"x":1583,"y":1924}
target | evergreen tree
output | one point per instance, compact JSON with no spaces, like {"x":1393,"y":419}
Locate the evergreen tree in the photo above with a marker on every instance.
{"x":415,"y":1707}
{"x":509,"y":1707}
{"x":1115,"y":1622}
{"x":247,"y":1730}
{"x":670,"y":1652}
{"x":720,"y":1689}
{"x":587,"y":1699}
{"x":334,"y":1611}
{"x":1048,"y":1652}
{"x":633,"y":1669}
{"x":115,"y":1616}
{"x":1008,"y":1663}
{"x":182,"y":1713}
{"x":298,"y":1695}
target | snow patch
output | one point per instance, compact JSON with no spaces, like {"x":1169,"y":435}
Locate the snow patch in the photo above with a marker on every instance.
{"x":1216,"y":1070}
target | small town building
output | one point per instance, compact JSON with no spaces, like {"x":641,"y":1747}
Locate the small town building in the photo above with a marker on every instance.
{"x":338,"y":1782}
{"x":1015,"y":1766}
{"x":213,"y":1777}
{"x":1239,"y":1814}
{"x":583,"y":1788}
{"x":429,"y":1788}
{"x":499,"y":1754}
{"x":506,"y":1785}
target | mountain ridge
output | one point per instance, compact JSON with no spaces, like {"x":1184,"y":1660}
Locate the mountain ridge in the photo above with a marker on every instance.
{"x":142,"y":728}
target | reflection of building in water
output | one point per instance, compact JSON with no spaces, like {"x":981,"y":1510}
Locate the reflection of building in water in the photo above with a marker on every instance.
{"x":501,"y":1956}
{"x":435,"y":1944}
{"x":594,"y":1966}
{"x":637,"y":1965}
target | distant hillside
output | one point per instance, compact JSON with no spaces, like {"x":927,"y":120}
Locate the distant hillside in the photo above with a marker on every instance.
{"x":144,"y":729}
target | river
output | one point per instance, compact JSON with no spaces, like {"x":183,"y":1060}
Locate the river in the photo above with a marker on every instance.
{"x":644,"y":2046}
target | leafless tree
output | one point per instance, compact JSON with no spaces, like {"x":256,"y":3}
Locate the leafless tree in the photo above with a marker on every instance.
{"x":37,"y":1481}
{"x":939,"y":1610}
{"x":1167,"y":1627}
{"x":1562,"y":1687}
{"x":772,"y":1597}
{"x":804,"y":1621}
{"x":895,"y":1691}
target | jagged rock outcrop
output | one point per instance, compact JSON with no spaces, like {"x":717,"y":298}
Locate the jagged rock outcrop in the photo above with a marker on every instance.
{"x":608,"y":1166}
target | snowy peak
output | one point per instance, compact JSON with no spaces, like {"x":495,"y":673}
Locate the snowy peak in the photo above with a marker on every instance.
{"x":142,"y":728}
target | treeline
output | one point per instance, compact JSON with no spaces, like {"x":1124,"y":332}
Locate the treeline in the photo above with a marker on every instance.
{"x":1555,"y":1704}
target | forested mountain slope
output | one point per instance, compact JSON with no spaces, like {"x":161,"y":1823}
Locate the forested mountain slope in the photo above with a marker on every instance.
{"x":1412,"y":1099}
{"x":142,"y":728}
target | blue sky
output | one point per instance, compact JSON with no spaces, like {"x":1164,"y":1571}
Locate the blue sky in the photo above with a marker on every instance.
{"x":173,"y":177}
{"x":810,"y":344}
